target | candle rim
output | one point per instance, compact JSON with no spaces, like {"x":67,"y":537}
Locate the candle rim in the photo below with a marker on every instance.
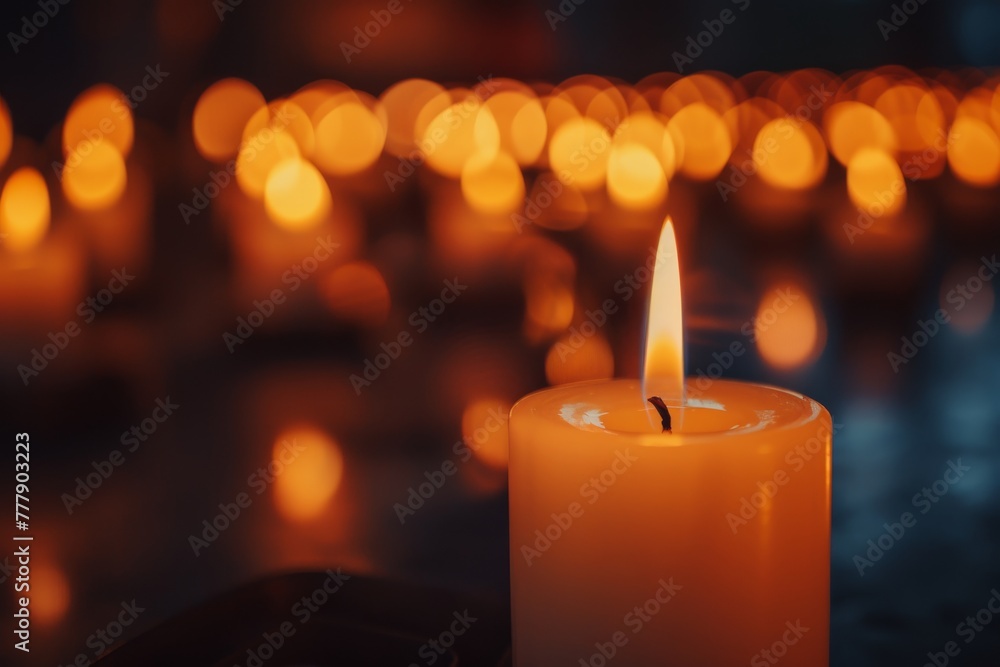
{"x":812,"y":413}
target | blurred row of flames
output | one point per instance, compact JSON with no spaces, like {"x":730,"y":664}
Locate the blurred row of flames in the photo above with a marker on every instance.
{"x":596,"y":135}
{"x":593,"y":134}
{"x":584,"y":143}
{"x":600,"y":139}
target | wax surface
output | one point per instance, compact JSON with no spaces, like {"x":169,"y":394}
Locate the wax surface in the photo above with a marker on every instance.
{"x":706,"y":546}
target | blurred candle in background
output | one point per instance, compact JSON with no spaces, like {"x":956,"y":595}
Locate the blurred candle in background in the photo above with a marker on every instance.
{"x":40,"y":269}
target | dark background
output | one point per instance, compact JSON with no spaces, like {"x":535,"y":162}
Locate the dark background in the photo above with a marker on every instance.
{"x":898,"y":430}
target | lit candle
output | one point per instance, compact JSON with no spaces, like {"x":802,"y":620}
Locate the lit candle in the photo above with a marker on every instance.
{"x":40,"y":268}
{"x":708,"y":544}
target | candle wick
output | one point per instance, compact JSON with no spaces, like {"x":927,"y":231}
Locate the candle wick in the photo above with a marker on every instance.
{"x":661,"y":408}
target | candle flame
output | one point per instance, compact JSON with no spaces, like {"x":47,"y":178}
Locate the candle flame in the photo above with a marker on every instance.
{"x":663,"y":357}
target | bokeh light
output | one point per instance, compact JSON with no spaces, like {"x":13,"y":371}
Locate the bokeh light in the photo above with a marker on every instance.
{"x":295,"y":195}
{"x":974,"y":152}
{"x":311,"y":470}
{"x":463,"y":130}
{"x":220,"y":115}
{"x":578,"y":153}
{"x":404,"y":102}
{"x":915,"y":115}
{"x":647,"y":129}
{"x":549,"y":298}
{"x":485,"y":432}
{"x":356,"y":292}
{"x":521,"y":121}
{"x":575,"y":358}
{"x":98,"y":180}
{"x":705,"y":138}
{"x":349,"y":137}
{"x":50,"y":593}
{"x":99,"y":114}
{"x":259,"y":155}
{"x":852,"y":126}
{"x":6,"y":132}
{"x":549,"y":304}
{"x":24,"y":210}
{"x":493,"y":184}
{"x":875,"y":182}
{"x":635,"y":177}
{"x":791,"y":155}
{"x":286,"y":118}
{"x":789,"y":329}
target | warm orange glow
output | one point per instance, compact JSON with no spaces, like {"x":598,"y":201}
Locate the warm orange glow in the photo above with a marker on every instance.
{"x":349,"y":137}
{"x":703,"y":88}
{"x":306,"y":484}
{"x":100,"y":113}
{"x":6,"y":132}
{"x":915,"y":116}
{"x":866,"y":86}
{"x":493,"y":185}
{"x":974,"y":152}
{"x":318,"y":98}
{"x":745,"y":121}
{"x":98,"y":180}
{"x":663,"y":357}
{"x":549,"y":277}
{"x":463,"y":238}
{"x":403,"y":104}
{"x":283,"y":117}
{"x":875,"y":183}
{"x":788,"y":329}
{"x":357,"y":293}
{"x":575,"y":358}
{"x":462,"y":130}
{"x":295,"y":195}
{"x":931,"y":125}
{"x":485,"y":432}
{"x":24,"y":210}
{"x":50,"y":594}
{"x":793,"y":155}
{"x":555,"y":205}
{"x":608,"y":107}
{"x":549,"y":304}
{"x":852,"y":126}
{"x":578,"y":153}
{"x":522,"y":124}
{"x":647,"y":129}
{"x":258,"y":156}
{"x":580,"y":90}
{"x":221,"y":114}
{"x":558,"y":110}
{"x":705,"y":137}
{"x":635,"y":177}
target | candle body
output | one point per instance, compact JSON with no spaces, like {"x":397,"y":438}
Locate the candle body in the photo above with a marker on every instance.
{"x":40,"y":288}
{"x":708,"y":546}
